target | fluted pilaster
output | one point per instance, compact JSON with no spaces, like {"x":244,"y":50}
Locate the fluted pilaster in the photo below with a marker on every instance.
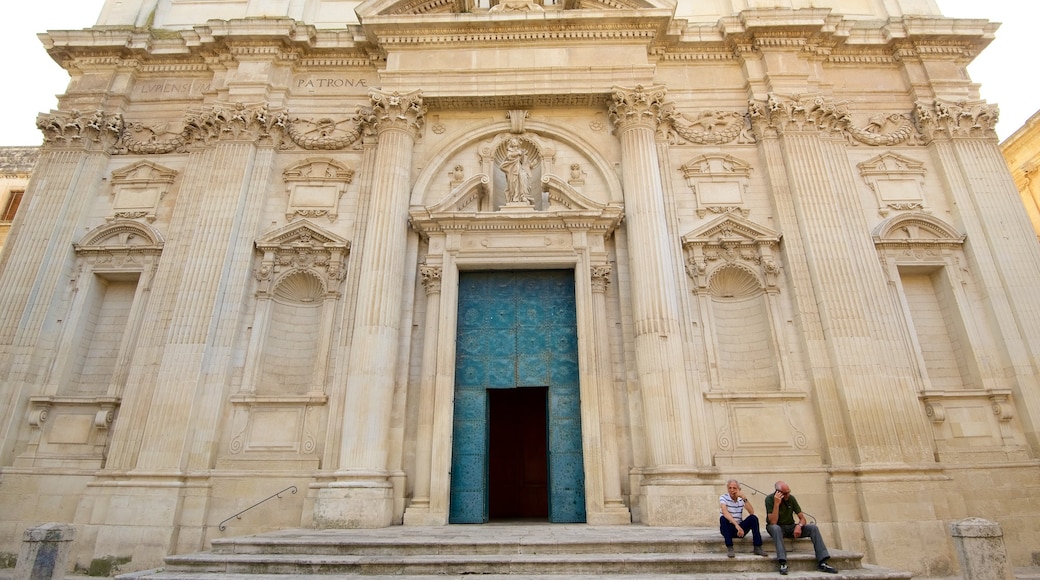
{"x":172,"y":414}
{"x":420,"y":506}
{"x":604,"y":379}
{"x":666,"y":403}
{"x":987,"y":204}
{"x":64,"y":183}
{"x":870,"y":389}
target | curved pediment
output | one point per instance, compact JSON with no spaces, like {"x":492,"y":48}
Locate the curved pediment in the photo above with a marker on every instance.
{"x":121,"y":234}
{"x":465,"y":197}
{"x":916,"y":228}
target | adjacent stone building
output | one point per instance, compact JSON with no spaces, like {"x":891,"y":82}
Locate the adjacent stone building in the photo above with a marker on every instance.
{"x":16,"y":165}
{"x":455,"y":261}
{"x":1022,"y":152}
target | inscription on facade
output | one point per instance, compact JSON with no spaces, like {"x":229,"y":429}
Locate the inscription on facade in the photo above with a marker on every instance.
{"x":170,"y":89}
{"x":332,"y":84}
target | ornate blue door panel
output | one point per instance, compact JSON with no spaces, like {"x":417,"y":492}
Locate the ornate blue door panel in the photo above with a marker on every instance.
{"x":516,"y":329}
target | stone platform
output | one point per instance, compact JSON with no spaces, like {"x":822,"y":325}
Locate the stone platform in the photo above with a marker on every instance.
{"x":519,"y":550}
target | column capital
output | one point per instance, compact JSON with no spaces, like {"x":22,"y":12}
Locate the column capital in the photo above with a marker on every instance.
{"x":431,"y":278}
{"x":392,"y":110}
{"x":600,"y":278}
{"x":639,"y":106}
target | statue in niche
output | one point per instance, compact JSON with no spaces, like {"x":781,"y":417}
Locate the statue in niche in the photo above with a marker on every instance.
{"x":518,"y":173}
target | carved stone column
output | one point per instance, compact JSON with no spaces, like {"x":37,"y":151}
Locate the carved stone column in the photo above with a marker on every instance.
{"x":418,"y":511}
{"x":362,"y":496}
{"x":664,"y":391}
{"x":985,"y":200}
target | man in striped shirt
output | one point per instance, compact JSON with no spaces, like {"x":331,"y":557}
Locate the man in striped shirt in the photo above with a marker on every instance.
{"x":731,"y":521}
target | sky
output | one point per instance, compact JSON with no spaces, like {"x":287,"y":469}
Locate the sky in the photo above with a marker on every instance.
{"x":1006,"y":69}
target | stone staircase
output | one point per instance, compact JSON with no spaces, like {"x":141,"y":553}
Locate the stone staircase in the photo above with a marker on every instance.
{"x":507,"y":550}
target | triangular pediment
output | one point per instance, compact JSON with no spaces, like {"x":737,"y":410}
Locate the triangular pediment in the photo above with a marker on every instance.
{"x":889,"y":163}
{"x":143,"y":172}
{"x":730,"y":228}
{"x":300,"y":234}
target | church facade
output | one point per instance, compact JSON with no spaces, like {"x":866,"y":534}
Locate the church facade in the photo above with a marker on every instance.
{"x":427,"y":262}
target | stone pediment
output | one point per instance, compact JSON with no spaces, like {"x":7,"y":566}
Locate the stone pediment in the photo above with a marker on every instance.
{"x":916,"y":229}
{"x":120,"y":246}
{"x":121,"y":234}
{"x":731,"y":240}
{"x":469,"y":195}
{"x":730,"y":228}
{"x":302,"y":233}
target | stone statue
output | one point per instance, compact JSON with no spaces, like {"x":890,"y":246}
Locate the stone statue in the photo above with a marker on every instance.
{"x":518,"y":173}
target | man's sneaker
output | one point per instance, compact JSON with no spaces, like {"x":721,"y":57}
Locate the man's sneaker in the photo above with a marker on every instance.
{"x":729,"y":551}
{"x":825,"y":567}
{"x":759,"y":551}
{"x":783,"y":567}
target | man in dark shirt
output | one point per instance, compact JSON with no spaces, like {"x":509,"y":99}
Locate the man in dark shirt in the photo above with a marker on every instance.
{"x":781,"y":510}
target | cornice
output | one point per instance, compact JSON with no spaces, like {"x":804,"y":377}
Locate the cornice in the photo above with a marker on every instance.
{"x":568,"y":26}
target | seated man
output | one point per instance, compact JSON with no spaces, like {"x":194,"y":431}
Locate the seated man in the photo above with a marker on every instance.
{"x":781,"y":509}
{"x":731,"y":521}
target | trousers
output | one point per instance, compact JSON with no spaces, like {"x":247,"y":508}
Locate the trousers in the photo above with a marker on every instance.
{"x":778,"y":533}
{"x":750,"y":524}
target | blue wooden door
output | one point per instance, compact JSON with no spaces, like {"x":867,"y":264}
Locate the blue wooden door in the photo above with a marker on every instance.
{"x":516,"y":329}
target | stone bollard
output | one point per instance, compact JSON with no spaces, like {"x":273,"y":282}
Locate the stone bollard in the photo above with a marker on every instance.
{"x":980,"y":550}
{"x":45,"y":549}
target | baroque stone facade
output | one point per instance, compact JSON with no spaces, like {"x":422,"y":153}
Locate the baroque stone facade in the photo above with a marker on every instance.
{"x":796,"y":253}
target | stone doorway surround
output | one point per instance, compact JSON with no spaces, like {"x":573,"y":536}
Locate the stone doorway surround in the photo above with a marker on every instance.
{"x":463,"y":231}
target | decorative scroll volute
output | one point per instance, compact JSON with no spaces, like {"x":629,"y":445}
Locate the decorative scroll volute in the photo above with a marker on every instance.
{"x":638,"y":107}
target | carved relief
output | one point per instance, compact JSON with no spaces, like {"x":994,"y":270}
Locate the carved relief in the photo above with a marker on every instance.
{"x":731,"y":239}
{"x":947,"y":119}
{"x":394,"y":110}
{"x":302,"y":246}
{"x":97,"y":130}
{"x":315,"y":187}
{"x":819,"y":113}
{"x":639,"y":106}
{"x":122,"y":246}
{"x":897,"y":182}
{"x":718,"y":183}
{"x":708,"y":128}
{"x":138,"y":189}
{"x":205,"y":125}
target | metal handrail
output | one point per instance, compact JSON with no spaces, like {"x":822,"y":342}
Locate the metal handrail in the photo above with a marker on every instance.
{"x":755,"y":491}
{"x":222,"y":527}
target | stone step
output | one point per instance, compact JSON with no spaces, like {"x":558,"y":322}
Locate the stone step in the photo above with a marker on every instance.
{"x":514,"y":551}
{"x":866,"y":573}
{"x":531,"y":564}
